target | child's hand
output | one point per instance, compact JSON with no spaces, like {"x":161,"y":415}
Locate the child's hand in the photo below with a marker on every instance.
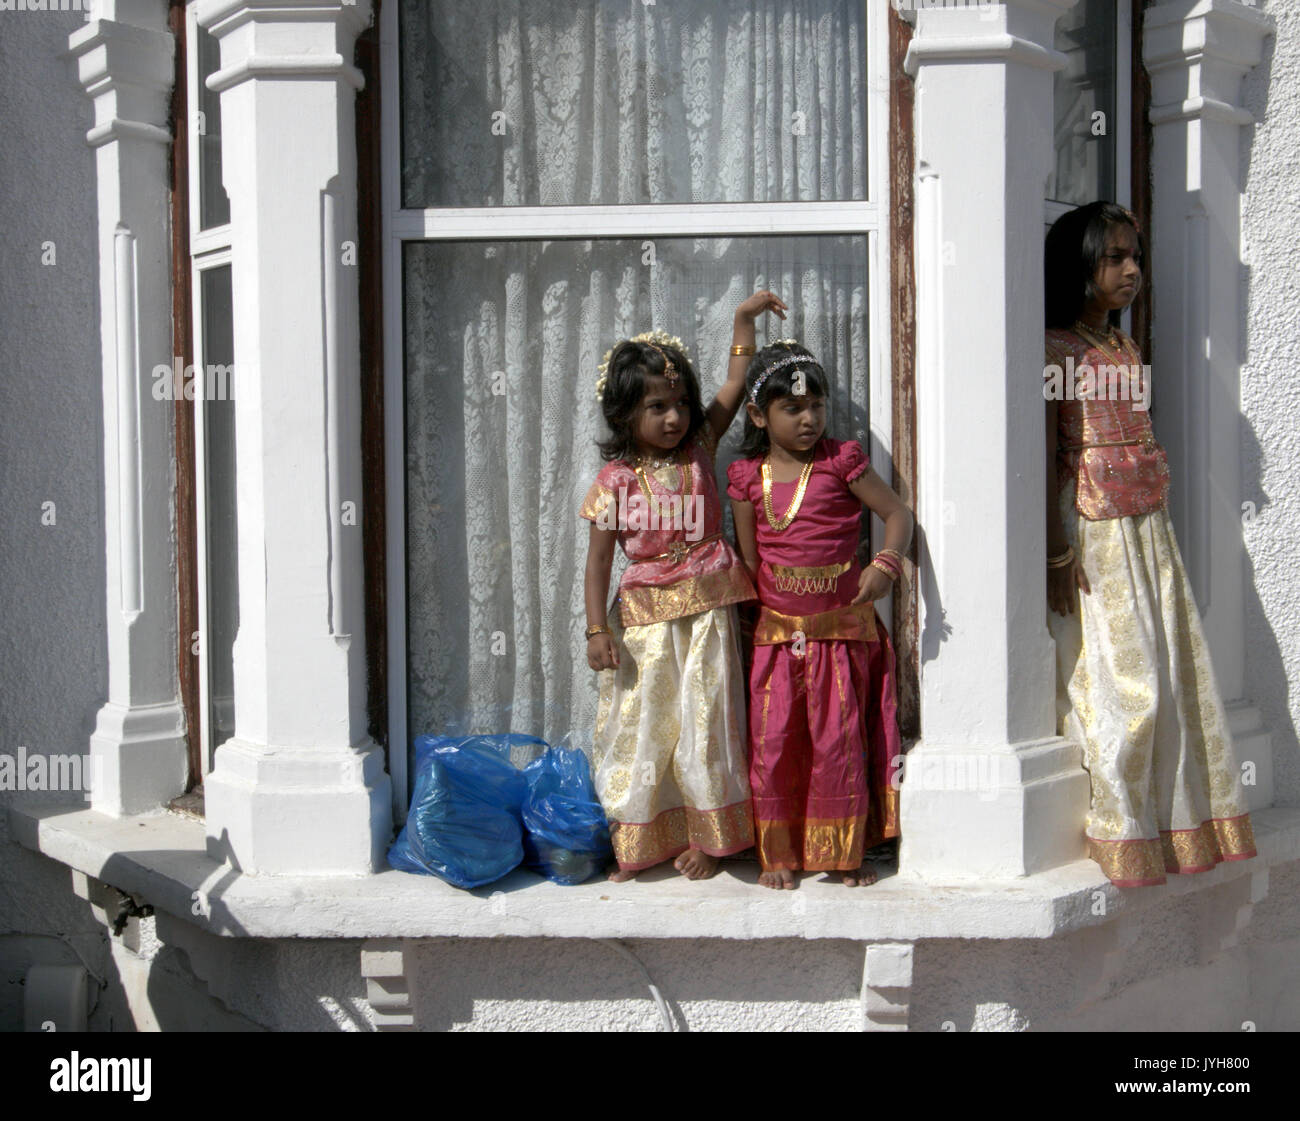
{"x":1061,"y":583}
{"x":758,"y":303}
{"x":602,"y":652}
{"x":872,"y":585}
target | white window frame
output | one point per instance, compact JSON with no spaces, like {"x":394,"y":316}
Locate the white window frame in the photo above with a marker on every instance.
{"x":1123,"y":131}
{"x":1123,"y":123}
{"x":867,"y":218}
{"x":209,"y":249}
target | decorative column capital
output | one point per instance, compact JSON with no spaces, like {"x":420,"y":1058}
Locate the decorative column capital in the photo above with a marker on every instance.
{"x":126,"y":69}
{"x":285,"y":39}
{"x":1197,"y":52}
{"x":1015,"y":31}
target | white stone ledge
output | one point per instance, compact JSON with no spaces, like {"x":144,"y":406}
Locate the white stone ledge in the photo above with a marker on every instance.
{"x":162,"y":859}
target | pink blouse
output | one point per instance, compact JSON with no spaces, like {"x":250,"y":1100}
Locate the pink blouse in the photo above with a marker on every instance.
{"x":1116,"y":479}
{"x":669,"y":523}
{"x":811,"y":566}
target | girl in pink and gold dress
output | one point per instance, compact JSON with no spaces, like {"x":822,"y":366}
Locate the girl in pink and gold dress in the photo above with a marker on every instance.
{"x":1135,"y":686}
{"x":823,"y":732}
{"x":669,"y":744}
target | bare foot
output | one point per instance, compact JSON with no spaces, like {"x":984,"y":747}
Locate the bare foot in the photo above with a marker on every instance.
{"x":780,"y":878}
{"x":621,"y":875}
{"x":860,"y":877}
{"x":696,"y":865}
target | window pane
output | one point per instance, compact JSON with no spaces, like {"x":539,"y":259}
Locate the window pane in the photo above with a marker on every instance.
{"x":218,"y":407}
{"x":1085,"y":156}
{"x":568,"y":102}
{"x":214,"y":204}
{"x":502,"y":341}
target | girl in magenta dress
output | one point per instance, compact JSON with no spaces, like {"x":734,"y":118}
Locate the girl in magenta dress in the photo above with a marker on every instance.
{"x":823,"y":730}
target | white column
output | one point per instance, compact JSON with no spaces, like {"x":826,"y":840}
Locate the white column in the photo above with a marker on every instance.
{"x":124,"y":62}
{"x":1197,"y":52}
{"x":301,"y":787}
{"x":990,"y":791}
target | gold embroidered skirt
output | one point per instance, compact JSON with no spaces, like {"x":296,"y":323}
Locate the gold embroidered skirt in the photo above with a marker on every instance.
{"x":669,"y":748}
{"x":1136,"y":689}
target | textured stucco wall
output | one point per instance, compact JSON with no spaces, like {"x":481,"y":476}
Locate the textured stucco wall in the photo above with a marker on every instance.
{"x":53,"y":677}
{"x":53,"y":656}
{"x":1270,"y":391}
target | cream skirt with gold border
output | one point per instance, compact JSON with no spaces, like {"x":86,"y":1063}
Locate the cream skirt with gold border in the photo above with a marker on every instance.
{"x":669,"y":749}
{"x":1136,"y":690}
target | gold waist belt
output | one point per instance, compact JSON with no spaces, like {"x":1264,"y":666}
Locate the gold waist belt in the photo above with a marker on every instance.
{"x":802,"y":581}
{"x":1147,"y":442}
{"x":678,"y":549}
{"x":851,"y":623}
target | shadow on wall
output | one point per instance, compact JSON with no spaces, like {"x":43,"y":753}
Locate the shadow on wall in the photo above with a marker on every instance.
{"x":1266,"y":670}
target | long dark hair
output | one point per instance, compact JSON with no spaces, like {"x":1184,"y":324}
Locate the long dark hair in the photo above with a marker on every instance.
{"x":780,"y":383}
{"x":1076,"y":243}
{"x":630,"y":364}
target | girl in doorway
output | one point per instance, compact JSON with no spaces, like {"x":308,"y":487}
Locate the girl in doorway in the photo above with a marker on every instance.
{"x":823,"y":729}
{"x":669,"y":750}
{"x":1135,"y":687}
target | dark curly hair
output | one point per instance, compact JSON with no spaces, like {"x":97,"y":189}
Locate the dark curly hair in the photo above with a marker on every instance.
{"x":780,"y":383}
{"x":630,"y":364}
{"x":1076,"y":243}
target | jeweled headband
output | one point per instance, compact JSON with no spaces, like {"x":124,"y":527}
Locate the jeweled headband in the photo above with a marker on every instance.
{"x":779,"y":364}
{"x":656,"y":340}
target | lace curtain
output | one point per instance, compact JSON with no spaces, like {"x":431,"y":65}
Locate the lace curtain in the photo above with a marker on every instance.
{"x":502,"y":338}
{"x":557,"y":102}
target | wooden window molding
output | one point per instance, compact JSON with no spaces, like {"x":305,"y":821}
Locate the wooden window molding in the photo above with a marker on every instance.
{"x":902,"y":314}
{"x":370,"y":278}
{"x":186,"y":506}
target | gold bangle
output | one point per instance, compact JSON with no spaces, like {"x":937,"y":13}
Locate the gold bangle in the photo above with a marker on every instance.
{"x":599,"y":628}
{"x":1061,"y":559}
{"x":893,"y":576}
{"x":739,"y":351}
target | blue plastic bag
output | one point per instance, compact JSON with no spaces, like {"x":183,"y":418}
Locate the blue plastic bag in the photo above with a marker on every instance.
{"x":566,"y":836}
{"x":465,"y":822}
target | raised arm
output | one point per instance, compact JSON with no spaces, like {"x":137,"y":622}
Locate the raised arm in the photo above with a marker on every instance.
{"x":723,"y":409}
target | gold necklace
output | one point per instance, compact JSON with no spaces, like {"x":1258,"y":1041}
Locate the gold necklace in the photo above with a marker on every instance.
{"x":675,"y":460}
{"x":795,"y":502}
{"x":1089,"y":335}
{"x":1121,"y":342}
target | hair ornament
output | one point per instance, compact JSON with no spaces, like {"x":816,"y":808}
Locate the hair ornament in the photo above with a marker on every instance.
{"x":779,"y":364}
{"x":656,"y":340}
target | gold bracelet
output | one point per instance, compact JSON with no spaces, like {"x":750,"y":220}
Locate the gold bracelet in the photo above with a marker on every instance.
{"x":881,"y":567}
{"x":738,"y":350}
{"x":599,"y":628}
{"x":1061,"y":559}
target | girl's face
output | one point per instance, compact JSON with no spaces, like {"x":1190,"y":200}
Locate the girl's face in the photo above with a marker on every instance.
{"x":794,"y":423}
{"x":663,"y":417}
{"x":1119,"y":276}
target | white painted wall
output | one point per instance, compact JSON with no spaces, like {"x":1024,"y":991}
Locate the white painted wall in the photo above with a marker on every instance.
{"x":53,"y":655}
{"x":53,"y":678}
{"x":1270,"y":391}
